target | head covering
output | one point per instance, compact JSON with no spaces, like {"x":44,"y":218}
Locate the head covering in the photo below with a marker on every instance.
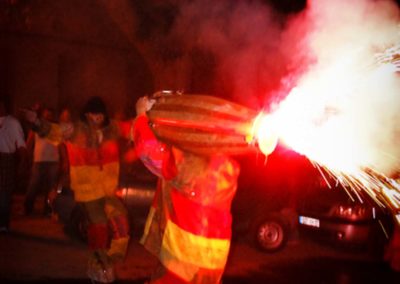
{"x":95,"y":105}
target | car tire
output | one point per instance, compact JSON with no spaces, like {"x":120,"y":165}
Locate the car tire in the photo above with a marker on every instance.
{"x":270,"y":233}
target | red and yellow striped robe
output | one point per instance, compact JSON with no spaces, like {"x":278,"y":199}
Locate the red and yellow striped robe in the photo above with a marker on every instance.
{"x":189,"y":224}
{"x":93,"y":165}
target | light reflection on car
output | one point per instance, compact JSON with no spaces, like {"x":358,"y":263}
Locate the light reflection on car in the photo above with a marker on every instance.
{"x":333,"y":215}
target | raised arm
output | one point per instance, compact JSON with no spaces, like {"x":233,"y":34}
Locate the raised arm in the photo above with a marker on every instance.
{"x":154,"y":154}
{"x":53,"y":132}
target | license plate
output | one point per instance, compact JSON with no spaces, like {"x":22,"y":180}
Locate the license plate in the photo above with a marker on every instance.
{"x":309,"y":221}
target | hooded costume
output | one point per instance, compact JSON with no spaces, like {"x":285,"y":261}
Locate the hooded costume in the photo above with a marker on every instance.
{"x":189,"y":224}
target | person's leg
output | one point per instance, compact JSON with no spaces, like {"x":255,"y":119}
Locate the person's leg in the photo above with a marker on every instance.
{"x":7,"y":184}
{"x":100,"y":267}
{"x":119,"y":224}
{"x":97,"y":231}
{"x":50,"y":172}
{"x":33,"y":188}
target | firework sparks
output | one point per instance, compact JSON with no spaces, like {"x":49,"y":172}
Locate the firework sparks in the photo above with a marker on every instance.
{"x":390,"y":57}
{"x":343,"y":114}
{"x":328,"y":137}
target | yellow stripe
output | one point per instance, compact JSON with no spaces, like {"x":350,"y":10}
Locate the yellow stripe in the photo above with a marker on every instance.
{"x":147,"y":226}
{"x":93,"y":182}
{"x":203,"y":252}
{"x":55,"y":135}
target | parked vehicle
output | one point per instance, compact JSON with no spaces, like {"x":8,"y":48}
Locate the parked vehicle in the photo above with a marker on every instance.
{"x":287,"y":196}
{"x":264,"y":208}
{"x":337,"y":215}
{"x":276,"y":199}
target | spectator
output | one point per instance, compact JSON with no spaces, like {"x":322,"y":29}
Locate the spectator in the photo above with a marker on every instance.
{"x":45,"y":167}
{"x":65,"y":119}
{"x":61,"y":199}
{"x":12,"y":147}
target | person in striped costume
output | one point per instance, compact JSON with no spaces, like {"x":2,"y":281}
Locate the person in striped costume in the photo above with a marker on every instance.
{"x":189,"y":224}
{"x":93,"y":158}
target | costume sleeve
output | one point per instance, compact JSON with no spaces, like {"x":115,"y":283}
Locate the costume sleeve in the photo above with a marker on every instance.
{"x":154,"y":154}
{"x":125,"y":128}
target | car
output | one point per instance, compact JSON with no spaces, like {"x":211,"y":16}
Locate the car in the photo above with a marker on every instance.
{"x":333,"y":213}
{"x":278,"y":197}
{"x":286,"y":196}
{"x":263,"y":209}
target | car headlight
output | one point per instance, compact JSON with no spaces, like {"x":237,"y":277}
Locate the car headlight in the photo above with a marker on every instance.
{"x":351,"y":212}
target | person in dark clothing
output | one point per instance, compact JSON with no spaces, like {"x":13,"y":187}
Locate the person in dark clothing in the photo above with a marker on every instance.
{"x":12,"y":147}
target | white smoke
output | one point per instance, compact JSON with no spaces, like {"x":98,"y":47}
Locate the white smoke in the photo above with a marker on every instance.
{"x":340,"y":39}
{"x":327,"y":51}
{"x":244,"y":37}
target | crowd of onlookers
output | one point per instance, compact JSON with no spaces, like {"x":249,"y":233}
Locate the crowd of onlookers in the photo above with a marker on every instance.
{"x":29,"y":164}
{"x":33,"y":166}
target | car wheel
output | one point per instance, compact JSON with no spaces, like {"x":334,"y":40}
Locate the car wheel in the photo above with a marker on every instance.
{"x":270,"y":234}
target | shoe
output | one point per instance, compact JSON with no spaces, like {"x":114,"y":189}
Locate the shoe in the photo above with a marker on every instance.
{"x":99,"y":275}
{"x":100,"y":269}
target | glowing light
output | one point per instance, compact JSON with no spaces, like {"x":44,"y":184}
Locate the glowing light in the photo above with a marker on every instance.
{"x":265,"y":132}
{"x":328,"y":130}
{"x":343,"y":113}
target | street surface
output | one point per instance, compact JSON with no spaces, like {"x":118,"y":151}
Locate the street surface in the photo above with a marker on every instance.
{"x":38,"y":251}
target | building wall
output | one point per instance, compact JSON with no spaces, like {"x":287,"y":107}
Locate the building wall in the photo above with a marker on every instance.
{"x":60,"y":53}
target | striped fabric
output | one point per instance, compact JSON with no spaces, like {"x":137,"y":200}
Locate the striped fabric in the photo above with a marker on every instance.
{"x":94,"y":172}
{"x":94,"y":166}
{"x":189,"y":224}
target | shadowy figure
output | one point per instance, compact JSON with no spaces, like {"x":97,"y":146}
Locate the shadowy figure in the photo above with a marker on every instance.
{"x":12,"y":151}
{"x":45,"y":167}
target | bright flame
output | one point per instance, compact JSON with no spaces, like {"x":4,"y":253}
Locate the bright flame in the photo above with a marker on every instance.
{"x":344,"y":112}
{"x":266,"y":132}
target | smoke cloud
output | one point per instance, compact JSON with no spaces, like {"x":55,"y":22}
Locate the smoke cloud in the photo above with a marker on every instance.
{"x":244,"y":38}
{"x":256,"y":56}
{"x":340,"y":42}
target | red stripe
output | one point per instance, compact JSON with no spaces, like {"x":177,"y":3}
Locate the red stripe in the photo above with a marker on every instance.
{"x":125,"y":128}
{"x":120,"y":227}
{"x":83,"y":156}
{"x":169,"y":278}
{"x":97,"y":236}
{"x":198,"y":219}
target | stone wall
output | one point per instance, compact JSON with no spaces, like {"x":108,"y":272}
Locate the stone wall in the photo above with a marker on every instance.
{"x":59,"y":53}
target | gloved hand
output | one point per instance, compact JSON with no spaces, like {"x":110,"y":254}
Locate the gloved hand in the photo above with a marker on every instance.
{"x":143,"y":105}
